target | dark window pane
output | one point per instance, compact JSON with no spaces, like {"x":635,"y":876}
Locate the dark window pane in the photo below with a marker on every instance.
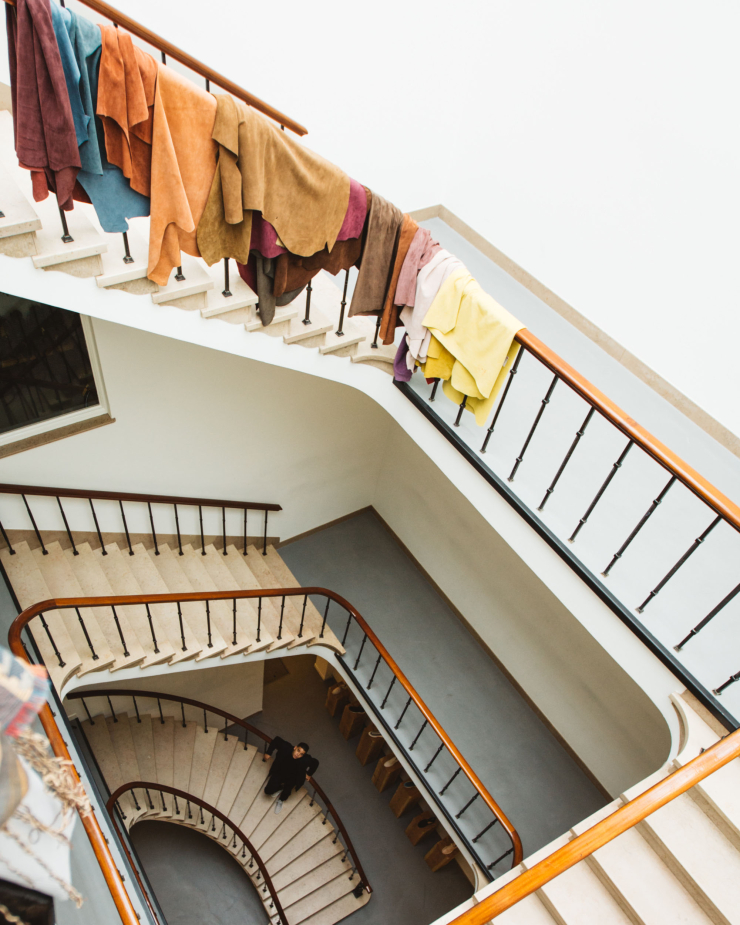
{"x":45,"y":368}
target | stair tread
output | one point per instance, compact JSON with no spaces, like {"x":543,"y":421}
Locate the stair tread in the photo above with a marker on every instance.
{"x":528,"y":911}
{"x":123,"y":742}
{"x":20,"y":216}
{"x":164,"y":616}
{"x":164,"y":749}
{"x":241,"y":296}
{"x":98,"y":735}
{"x":321,"y":851}
{"x":51,"y":250}
{"x":335,"y":911}
{"x":314,"y":879}
{"x":250,"y":788}
{"x":223,"y":752}
{"x":260,"y":568}
{"x":283,"y":314}
{"x":248,"y":581}
{"x":578,"y":897}
{"x":203,"y":749}
{"x":184,"y":746}
{"x":144,"y":745}
{"x":271,"y":821}
{"x":196,"y":280}
{"x":241,"y":762}
{"x":299,"y":331}
{"x":115,"y":271}
{"x":305,"y":838}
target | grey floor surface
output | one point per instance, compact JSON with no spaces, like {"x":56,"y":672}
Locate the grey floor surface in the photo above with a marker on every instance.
{"x":530,"y":775}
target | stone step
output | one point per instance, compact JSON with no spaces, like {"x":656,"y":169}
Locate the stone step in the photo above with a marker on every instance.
{"x":321,"y":900}
{"x":241,"y":568}
{"x":345,"y":345}
{"x":129,"y":276}
{"x":223,"y":752}
{"x":246,"y":609}
{"x":321,"y":851}
{"x":79,"y":257}
{"x":280,"y":324}
{"x":314,"y":879}
{"x":190,"y":292}
{"x":233,"y":308}
{"x":19,"y":222}
{"x":380,"y":357}
{"x":241,"y":762}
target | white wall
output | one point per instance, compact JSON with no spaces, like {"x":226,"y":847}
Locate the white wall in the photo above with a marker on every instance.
{"x":593,"y":143}
{"x":603,"y":714}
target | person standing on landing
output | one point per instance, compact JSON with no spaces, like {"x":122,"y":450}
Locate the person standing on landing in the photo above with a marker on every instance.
{"x":291,"y":768}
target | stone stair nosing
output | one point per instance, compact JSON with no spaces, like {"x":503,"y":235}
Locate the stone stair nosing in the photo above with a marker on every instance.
{"x":528,"y":911}
{"x":30,"y":588}
{"x":246,"y":609}
{"x":19,"y":223}
{"x":195,"y":612}
{"x":164,"y":616}
{"x":261,"y":567}
{"x":345,"y":344}
{"x":235,"y":777}
{"x":271,"y":821}
{"x":235,"y":308}
{"x":99,"y":739}
{"x":62,"y":583}
{"x":184,"y":745}
{"x":338,"y":910}
{"x":189,"y":293}
{"x":241,"y":568}
{"x":380,"y":357}
{"x":205,"y":742}
{"x":221,"y":756}
{"x":325,"y":849}
{"x":309,"y":335}
{"x":319,"y":899}
{"x":304,"y":839}
{"x":118,"y":274}
{"x":315,"y":879}
{"x":94,"y":583}
{"x":305,"y":813}
{"x":251,"y":786}
{"x":80,"y":257}
{"x":280,"y":324}
{"x":114,"y":565}
{"x":199,"y":574}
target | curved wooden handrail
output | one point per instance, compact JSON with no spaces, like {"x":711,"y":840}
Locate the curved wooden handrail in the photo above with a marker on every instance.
{"x":44,"y":491}
{"x":135,"y":28}
{"x":696,"y":483}
{"x":189,"y":797}
{"x":624,"y":818}
{"x":121,"y":600}
{"x":234,"y":720}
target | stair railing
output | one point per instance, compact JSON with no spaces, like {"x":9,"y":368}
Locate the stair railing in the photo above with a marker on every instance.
{"x":553,"y":432}
{"x":188,"y":798}
{"x":451,"y":783}
{"x":210,"y":76}
{"x":175,"y":501}
{"x":229,"y":719}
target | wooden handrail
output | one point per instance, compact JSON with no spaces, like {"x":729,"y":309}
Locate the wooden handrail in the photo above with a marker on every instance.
{"x":696,"y":483}
{"x":189,"y":797}
{"x":624,"y":818}
{"x":135,"y":28}
{"x":234,"y":720}
{"x":44,"y":491}
{"x":14,"y":637}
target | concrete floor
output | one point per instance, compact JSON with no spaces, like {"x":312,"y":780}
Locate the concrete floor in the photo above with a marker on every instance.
{"x":527,"y":771}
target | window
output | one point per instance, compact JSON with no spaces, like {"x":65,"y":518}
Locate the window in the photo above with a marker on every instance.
{"x":49,"y":370}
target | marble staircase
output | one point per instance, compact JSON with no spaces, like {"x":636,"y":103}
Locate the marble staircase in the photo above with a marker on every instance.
{"x":33,"y":230}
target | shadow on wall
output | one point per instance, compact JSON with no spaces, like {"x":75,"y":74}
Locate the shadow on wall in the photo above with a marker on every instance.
{"x":608,"y":721}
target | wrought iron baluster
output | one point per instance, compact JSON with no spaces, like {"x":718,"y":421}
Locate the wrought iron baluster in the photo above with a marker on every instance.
{"x":326,"y":614}
{"x":615,"y":468}
{"x":223,"y":523}
{"x":84,"y":704}
{"x":113,"y":714}
{"x":648,"y":514}
{"x":62,"y":663}
{"x":202,"y":541}
{"x":689,"y":552}
{"x":136,"y":802}
{"x":259,"y":617}
{"x":161,"y":715}
{"x":226,"y":292}
{"x":208,"y":624}
{"x":149,"y":797}
{"x":442,"y":791}
{"x":245,"y":531}
{"x":180,"y":276}
{"x":471,"y":800}
{"x":7,"y":541}
{"x":403,"y":713}
{"x":416,"y":738}
{"x":177,"y":805}
{"x":164,"y":805}
{"x":95,"y":656}
{"x":127,"y":258}
{"x":434,"y":757}
{"x":340,"y":330}
{"x":182,"y":710}
{"x":280,"y":626}
{"x":125,"y":527}
{"x":303,"y":616}
{"x":97,"y":528}
{"x":388,"y":692}
{"x":498,"y":860}
{"x":463,"y":403}
{"x":727,"y":683}
{"x":126,"y":652}
{"x":44,"y":550}
{"x":151,"y":628}
{"x":233,"y":641}
{"x":544,"y":403}
{"x":433,"y":394}
{"x":177,"y":527}
{"x":226,"y":728}
{"x":182,"y":628}
{"x":136,"y":709}
{"x":346,"y":628}
{"x":483,"y":831}
{"x":372,"y":676}
{"x":264,"y":538}
{"x":359,"y":654}
{"x":205,"y":722}
{"x":66,"y":236}
{"x":374,"y":344}
{"x":66,"y":527}
{"x":309,"y":290}
{"x":512,"y":372}
{"x":579,"y":434}
{"x":710,"y":616}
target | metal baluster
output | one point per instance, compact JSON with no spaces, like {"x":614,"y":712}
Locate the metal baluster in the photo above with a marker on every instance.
{"x":7,"y":541}
{"x":245,"y":531}
{"x":374,"y":345}
{"x":136,"y":708}
{"x":97,"y":527}
{"x":340,"y":330}
{"x":400,"y":718}
{"x":127,"y":253}
{"x":202,"y":820}
{"x":202,"y":541}
{"x":182,"y":629}
{"x":164,"y":805}
{"x":359,"y":654}
{"x":205,"y":722}
{"x":234,"y":628}
{"x":434,"y":757}
{"x":544,"y":403}
{"x":177,"y":807}
{"x":483,"y":831}
{"x":372,"y":676}
{"x":309,"y":290}
{"x":95,"y":656}
{"x":416,"y":739}
{"x":223,"y":523}
{"x":442,"y":791}
{"x":579,"y":434}
{"x":161,"y":715}
{"x":512,"y":373}
{"x":208,"y":85}
{"x":615,"y":468}
{"x":727,"y":683}
{"x":346,"y":628}
{"x":326,"y":614}
{"x":433,"y":394}
{"x":471,"y":800}
{"x":151,"y":627}
{"x":44,"y":550}
{"x":280,"y":627}
{"x":84,"y":704}
{"x":226,"y":736}
{"x":136,"y":802}
{"x":149,"y":797}
{"x":154,"y":535}
{"x":62,"y":663}
{"x":213,"y":823}
{"x":125,"y":527}
{"x":113,"y":714}
{"x":66,"y":527}
{"x":226,"y":291}
{"x":689,"y":552}
{"x":388,"y":692}
{"x":648,"y":514}
{"x":303,"y":616}
{"x":177,"y":526}
{"x":264,"y":538}
{"x":259,"y":617}
{"x":120,"y":810}
{"x":208,"y":624}
{"x":66,"y":236}
{"x":710,"y":616}
{"x":190,"y":815}
{"x":126,"y":652}
{"x":460,"y":412}
{"x":182,"y":710}
{"x":164,"y":61}
{"x":498,"y":860}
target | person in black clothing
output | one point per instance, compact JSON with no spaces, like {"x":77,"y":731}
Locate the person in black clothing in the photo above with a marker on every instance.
{"x":292,"y":766}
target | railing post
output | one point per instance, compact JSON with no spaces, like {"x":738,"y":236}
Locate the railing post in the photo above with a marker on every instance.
{"x":151,"y":628}
{"x":208,"y":624}
{"x":154,"y":535}
{"x":97,"y":528}
{"x":326,"y":614}
{"x":95,"y":656}
{"x":5,"y":537}
{"x":62,"y":663}
{"x":177,"y":526}
{"x":309,"y":289}
{"x":264,"y":538}
{"x":202,"y":540}
{"x":340,"y":330}
{"x":374,"y":344}
{"x":182,"y":628}
{"x":66,"y":527}
{"x":512,"y":373}
{"x":125,"y":527}
{"x":66,"y":236}
{"x":226,"y":291}
{"x":44,"y":550}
